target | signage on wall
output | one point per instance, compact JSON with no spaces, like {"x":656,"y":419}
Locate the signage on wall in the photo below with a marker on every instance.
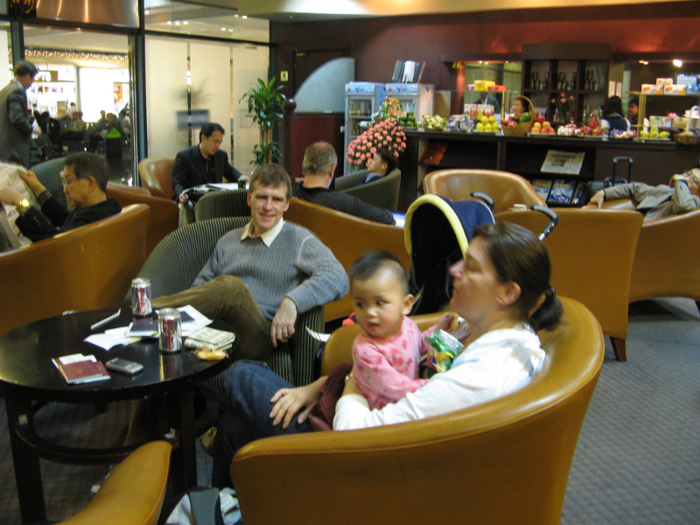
{"x":25,"y":8}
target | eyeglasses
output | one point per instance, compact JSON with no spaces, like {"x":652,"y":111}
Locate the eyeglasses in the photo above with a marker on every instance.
{"x":67,"y":182}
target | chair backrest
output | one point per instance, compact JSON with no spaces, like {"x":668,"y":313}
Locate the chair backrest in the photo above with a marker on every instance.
{"x":592,"y":252}
{"x":133,"y":493}
{"x":49,"y":174}
{"x":83,"y":269}
{"x":503,"y":461}
{"x":157,"y":175}
{"x":665,"y":263}
{"x":506,"y":189}
{"x":222,"y":204}
{"x":348,"y":237}
{"x":163,"y":215}
{"x":383,"y":192}
{"x":179,"y":257}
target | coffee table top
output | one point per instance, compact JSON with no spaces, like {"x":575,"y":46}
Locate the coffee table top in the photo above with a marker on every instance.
{"x":26,"y":368}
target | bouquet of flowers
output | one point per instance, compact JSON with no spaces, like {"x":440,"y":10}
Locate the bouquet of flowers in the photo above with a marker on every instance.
{"x":386,"y":134}
{"x":563,"y":104}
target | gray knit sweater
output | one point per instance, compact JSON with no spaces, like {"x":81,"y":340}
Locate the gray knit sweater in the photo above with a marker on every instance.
{"x":297,"y":265}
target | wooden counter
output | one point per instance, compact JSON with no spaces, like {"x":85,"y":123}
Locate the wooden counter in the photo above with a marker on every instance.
{"x":654,"y":162}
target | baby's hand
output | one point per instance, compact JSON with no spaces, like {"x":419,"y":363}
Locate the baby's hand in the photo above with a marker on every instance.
{"x":445,"y":321}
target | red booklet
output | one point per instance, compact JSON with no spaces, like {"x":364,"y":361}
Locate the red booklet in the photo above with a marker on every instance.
{"x":82,"y":371}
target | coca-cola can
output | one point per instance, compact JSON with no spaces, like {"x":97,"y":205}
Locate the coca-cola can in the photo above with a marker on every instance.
{"x":141,"y":297}
{"x":169,"y":330}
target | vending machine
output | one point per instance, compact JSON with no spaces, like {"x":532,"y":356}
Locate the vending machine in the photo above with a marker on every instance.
{"x":362,"y":100}
{"x":419,"y":98}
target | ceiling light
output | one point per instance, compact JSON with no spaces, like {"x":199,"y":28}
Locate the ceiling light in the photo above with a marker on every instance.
{"x":146,"y":12}
{"x":677,"y":63}
{"x":223,"y":29}
{"x":177,"y":22}
{"x":169,"y":22}
{"x":244,"y":16}
{"x":235,"y":16}
{"x":185,"y":22}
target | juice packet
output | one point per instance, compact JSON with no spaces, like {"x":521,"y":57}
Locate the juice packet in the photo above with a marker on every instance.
{"x":442,"y":349}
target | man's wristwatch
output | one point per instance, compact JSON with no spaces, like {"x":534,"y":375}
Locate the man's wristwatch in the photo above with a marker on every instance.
{"x":23,"y":205}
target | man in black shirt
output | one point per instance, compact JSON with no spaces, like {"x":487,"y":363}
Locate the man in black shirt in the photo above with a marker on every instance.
{"x":320,"y":161}
{"x":202,"y":164}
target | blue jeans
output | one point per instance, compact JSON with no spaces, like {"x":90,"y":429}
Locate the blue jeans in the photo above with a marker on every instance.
{"x":244,"y":414}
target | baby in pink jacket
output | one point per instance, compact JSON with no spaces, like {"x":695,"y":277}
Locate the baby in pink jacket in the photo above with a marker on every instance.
{"x":386,"y":355}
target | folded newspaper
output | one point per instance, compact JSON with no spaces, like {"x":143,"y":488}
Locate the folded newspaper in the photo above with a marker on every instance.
{"x":9,"y":178}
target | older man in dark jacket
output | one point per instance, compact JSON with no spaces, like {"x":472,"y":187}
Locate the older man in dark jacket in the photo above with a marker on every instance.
{"x":15,"y":121}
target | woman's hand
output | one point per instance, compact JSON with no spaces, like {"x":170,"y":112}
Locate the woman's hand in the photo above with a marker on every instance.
{"x":288,"y":401}
{"x":351,"y":387}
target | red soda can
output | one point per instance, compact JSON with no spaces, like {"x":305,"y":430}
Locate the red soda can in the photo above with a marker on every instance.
{"x":169,"y":330}
{"x":141,"y":297}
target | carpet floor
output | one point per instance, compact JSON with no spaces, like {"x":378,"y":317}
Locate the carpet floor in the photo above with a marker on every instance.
{"x":637,"y":459}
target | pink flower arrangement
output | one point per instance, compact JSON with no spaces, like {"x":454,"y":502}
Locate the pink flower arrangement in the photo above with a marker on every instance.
{"x":563,"y":104}
{"x":386,"y":134}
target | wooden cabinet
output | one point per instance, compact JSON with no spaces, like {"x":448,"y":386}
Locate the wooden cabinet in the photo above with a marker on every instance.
{"x":577,"y":70}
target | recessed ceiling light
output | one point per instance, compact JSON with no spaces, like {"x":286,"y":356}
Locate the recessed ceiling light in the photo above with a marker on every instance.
{"x":146,"y":12}
{"x":244,"y":16}
{"x":236,"y":15}
{"x":678,"y":63}
{"x":185,"y":22}
{"x":223,"y":29}
{"x":169,"y":22}
{"x":177,"y":22}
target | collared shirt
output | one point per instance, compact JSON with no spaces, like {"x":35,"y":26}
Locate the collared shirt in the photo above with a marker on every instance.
{"x":268,"y":237}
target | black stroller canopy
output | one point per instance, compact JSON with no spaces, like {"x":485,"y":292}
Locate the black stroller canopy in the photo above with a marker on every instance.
{"x":437,"y":233}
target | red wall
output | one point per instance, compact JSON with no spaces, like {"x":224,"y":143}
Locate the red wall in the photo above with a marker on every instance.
{"x":377,"y":43}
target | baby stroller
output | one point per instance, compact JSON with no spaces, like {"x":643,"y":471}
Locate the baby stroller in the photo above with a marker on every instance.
{"x":437,"y":233}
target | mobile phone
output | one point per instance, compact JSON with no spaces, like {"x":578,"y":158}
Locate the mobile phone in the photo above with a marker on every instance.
{"x":124,"y":366}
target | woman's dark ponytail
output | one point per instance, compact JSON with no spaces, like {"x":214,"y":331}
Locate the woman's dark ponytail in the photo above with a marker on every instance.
{"x":548,"y":315}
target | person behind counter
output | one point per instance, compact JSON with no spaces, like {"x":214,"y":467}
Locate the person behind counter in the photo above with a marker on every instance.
{"x":521,"y":105}
{"x":612,"y":115}
{"x":501,"y":288}
{"x":633,"y":112}
{"x":680,"y":196}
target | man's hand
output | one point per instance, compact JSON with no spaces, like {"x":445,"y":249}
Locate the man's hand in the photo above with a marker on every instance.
{"x":288,"y":401}
{"x":11,"y":197}
{"x":33,"y":182}
{"x":598,"y":199}
{"x":283,"y":322}
{"x":676,"y":178}
{"x":183,"y":199}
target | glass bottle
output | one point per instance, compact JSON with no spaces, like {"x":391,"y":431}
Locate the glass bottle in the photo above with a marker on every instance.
{"x":546,"y":80}
{"x":573,"y":81}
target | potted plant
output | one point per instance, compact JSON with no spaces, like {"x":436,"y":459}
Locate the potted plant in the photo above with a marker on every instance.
{"x":265,"y":104}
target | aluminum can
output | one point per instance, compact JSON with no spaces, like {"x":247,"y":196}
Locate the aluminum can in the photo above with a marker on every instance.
{"x":141,"y":297}
{"x":169,"y":330}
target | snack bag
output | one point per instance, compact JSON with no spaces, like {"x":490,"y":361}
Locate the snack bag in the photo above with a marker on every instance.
{"x":442,"y":349}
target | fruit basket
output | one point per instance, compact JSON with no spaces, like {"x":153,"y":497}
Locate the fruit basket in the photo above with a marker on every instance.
{"x":518,"y":131}
{"x":688,"y":138}
{"x":522,"y":129}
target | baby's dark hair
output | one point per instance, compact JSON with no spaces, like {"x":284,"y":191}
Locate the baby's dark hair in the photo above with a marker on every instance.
{"x":368,"y":264}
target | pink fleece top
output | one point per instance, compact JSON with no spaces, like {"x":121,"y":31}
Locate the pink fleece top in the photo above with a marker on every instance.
{"x":386,"y":369}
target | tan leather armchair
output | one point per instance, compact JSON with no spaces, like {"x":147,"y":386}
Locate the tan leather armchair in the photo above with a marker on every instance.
{"x":163,"y":214}
{"x":504,"y":461}
{"x":348,"y":237}
{"x":506,"y":189}
{"x":133,"y":493}
{"x":665,"y":263}
{"x":83,"y":269}
{"x":157,"y":175}
{"x":592,"y":252}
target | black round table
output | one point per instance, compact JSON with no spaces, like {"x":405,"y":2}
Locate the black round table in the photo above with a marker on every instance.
{"x":171,"y":381}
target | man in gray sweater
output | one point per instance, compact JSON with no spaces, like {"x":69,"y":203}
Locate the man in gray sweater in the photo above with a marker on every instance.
{"x":261,"y":276}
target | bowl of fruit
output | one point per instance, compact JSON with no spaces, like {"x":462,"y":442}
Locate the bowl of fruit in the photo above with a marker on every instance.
{"x":517,"y":126}
{"x":434,"y":122}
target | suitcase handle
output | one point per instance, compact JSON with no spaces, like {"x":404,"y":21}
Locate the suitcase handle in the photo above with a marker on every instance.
{"x":629,"y":160}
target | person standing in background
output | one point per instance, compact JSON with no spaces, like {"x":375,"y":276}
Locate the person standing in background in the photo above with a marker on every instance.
{"x":15,"y":122}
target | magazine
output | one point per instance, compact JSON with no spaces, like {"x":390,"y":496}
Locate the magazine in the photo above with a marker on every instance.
{"x":9,"y":178}
{"x":542,"y":187}
{"x":562,"y":190}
